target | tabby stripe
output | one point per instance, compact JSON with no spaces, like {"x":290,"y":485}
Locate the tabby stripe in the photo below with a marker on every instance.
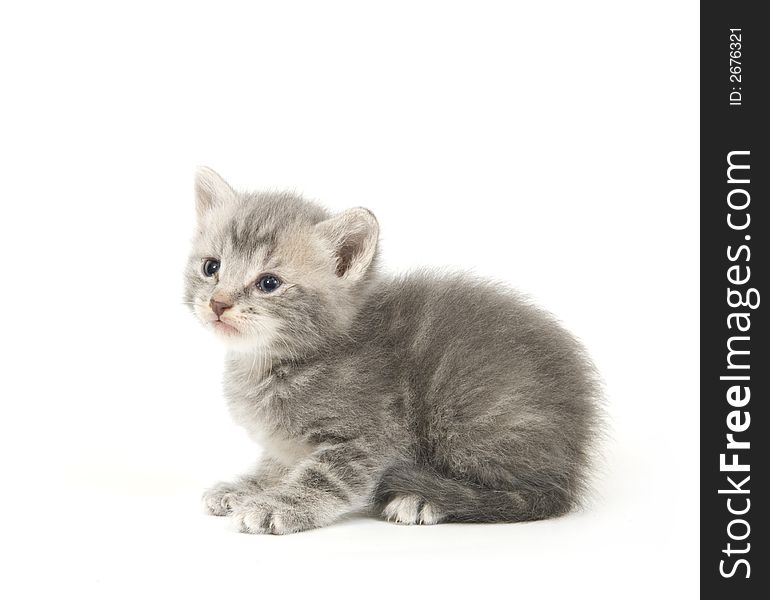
{"x":316,"y":479}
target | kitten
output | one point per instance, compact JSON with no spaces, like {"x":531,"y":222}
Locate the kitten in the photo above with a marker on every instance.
{"x":428,"y":398}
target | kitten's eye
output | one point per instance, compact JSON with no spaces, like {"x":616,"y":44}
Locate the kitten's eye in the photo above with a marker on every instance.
{"x":268,"y":283}
{"x":210,"y":267}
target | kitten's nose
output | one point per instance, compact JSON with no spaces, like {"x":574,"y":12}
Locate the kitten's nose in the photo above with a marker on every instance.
{"x":219,"y":307}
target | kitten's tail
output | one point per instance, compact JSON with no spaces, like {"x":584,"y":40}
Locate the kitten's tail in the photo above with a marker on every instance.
{"x":463,"y":501}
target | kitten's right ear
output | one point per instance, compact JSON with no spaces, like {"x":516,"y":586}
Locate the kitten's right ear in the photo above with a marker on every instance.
{"x":210,"y":190}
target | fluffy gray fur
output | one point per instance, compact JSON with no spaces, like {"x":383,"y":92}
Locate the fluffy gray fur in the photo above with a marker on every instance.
{"x":425,"y":397}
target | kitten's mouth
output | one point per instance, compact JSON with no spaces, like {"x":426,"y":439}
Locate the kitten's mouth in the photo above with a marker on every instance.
{"x":223,"y":327}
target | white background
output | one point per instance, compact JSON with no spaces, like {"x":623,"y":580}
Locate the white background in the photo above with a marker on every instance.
{"x":552,"y":145}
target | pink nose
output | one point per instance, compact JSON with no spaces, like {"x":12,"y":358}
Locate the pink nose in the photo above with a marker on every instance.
{"x":219,"y":307}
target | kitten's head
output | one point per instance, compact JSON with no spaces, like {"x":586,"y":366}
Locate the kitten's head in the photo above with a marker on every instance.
{"x":273,"y":272}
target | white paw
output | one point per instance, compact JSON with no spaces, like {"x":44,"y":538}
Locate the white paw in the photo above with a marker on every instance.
{"x":411,"y":510}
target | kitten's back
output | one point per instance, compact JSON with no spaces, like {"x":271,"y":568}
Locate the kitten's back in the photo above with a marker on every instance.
{"x":498,"y":392}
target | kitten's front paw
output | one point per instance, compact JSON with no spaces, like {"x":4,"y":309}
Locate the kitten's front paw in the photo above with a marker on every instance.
{"x":268,"y":516}
{"x":223,"y":498}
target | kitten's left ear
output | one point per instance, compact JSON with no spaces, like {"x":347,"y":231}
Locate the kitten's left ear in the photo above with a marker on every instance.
{"x":353,"y":236}
{"x":210,"y":190}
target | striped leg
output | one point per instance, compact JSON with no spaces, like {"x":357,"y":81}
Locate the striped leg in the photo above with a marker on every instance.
{"x":334,"y":480}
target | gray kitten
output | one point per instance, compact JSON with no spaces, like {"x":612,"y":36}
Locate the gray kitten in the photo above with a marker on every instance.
{"x":427,"y":398}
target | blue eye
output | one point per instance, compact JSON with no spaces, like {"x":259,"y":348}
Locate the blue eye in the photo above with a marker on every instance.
{"x":210,"y":267}
{"x":268,"y":283}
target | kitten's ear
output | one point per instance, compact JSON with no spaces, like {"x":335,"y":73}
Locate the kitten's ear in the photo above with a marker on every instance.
{"x":353,"y":236}
{"x":210,"y":190}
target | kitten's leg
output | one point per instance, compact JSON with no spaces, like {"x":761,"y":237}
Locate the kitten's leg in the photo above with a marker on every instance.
{"x":222,"y":498}
{"x":333,"y":480}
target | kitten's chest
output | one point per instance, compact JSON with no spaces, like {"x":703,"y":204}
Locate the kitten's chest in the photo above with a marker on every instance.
{"x":266,"y":405}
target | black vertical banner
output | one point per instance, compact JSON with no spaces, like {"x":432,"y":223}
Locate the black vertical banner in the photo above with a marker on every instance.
{"x":735,"y":300}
